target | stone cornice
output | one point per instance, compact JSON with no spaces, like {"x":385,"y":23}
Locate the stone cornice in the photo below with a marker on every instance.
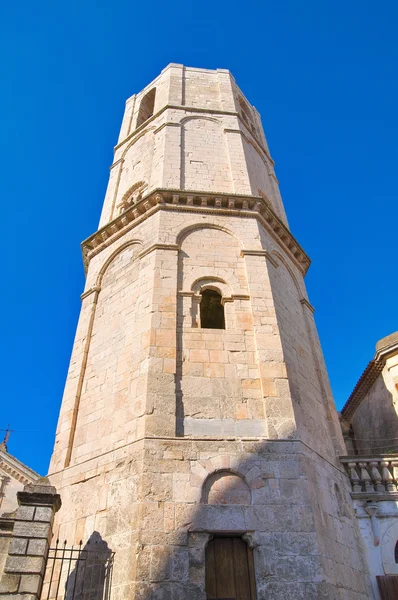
{"x":367,"y":379}
{"x":201,"y":202}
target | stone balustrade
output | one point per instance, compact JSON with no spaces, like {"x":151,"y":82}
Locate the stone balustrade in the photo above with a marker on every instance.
{"x":376,"y":474}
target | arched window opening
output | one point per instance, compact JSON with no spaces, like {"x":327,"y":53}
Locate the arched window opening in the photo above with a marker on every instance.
{"x":229,"y":567}
{"x":211,"y":310}
{"x":146,"y":107}
{"x":396,"y":553}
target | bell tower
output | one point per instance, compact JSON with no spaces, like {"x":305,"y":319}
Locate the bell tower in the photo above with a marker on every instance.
{"x":197,"y":434}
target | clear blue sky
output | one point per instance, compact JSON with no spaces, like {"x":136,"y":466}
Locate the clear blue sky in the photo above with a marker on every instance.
{"x":323,"y":76}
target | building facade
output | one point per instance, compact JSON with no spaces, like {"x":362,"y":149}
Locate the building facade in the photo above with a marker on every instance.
{"x":198,"y":436}
{"x":370,"y":424}
{"x":14,"y":475}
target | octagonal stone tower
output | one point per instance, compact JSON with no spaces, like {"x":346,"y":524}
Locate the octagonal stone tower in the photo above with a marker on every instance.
{"x":197,"y":434}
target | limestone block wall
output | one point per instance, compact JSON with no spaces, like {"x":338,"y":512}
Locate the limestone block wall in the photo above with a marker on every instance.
{"x":106,"y":390}
{"x":153,"y":503}
{"x":203,"y":135}
{"x":204,"y":163}
{"x":170,"y":432}
{"x":218,"y":378}
{"x":132,"y":372}
{"x":312,"y":400}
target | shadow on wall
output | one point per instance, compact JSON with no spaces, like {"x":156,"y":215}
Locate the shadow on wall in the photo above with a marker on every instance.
{"x":255,"y":528}
{"x":79,"y":573}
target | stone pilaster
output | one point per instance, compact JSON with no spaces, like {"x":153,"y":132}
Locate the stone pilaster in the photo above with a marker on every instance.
{"x":27,"y":554}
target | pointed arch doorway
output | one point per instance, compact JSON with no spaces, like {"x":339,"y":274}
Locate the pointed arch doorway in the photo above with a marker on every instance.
{"x":229,"y":569}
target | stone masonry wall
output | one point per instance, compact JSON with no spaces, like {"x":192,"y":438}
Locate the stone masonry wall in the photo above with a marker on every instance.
{"x":169,"y":432}
{"x":119,"y":328}
{"x":125,"y":489}
{"x":195,"y":140}
{"x":146,"y":502}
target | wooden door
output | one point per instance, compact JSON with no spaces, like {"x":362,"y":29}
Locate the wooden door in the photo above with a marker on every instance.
{"x":388,"y":586}
{"x":229,"y":570}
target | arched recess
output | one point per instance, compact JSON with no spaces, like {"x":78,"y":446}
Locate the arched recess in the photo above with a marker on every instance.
{"x":135,"y":164}
{"x":147,"y":106}
{"x":207,"y":366}
{"x":302,"y":357}
{"x":388,"y":550}
{"x":226,"y":487}
{"x":282,"y":260}
{"x":259,"y":172}
{"x":112,"y":257}
{"x":210,"y":251}
{"x":190,"y":228}
{"x":114,"y":337}
{"x":216,"y":283}
{"x":205,"y":162}
{"x":136,"y":139}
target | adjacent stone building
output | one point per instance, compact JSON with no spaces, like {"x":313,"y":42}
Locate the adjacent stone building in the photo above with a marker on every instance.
{"x":14,"y":475}
{"x":370,"y":424}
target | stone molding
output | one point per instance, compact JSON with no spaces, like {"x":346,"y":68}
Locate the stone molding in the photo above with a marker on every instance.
{"x":201,"y":202}
{"x":369,"y":376}
{"x":192,"y":109}
{"x":264,"y":253}
{"x":174,"y":247}
{"x":305,"y":302}
{"x":92,"y":290}
{"x":141,"y":442}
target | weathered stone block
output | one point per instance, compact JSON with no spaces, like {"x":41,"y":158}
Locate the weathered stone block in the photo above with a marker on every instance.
{"x":30,"y":584}
{"x":9,"y":583}
{"x":180,"y":564}
{"x":25,"y":564}
{"x":160,"y":563}
{"x":44,"y":514}
{"x":18,"y":546}
{"x":25,"y":513}
{"x":37,"y":548}
{"x":32,"y":529}
{"x":19,"y":597}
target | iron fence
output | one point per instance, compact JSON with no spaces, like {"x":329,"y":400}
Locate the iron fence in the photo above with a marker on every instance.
{"x":77,"y":572}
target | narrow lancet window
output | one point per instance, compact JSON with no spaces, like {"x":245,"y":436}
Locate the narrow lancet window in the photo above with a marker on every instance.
{"x":211,"y":310}
{"x":146,"y":107}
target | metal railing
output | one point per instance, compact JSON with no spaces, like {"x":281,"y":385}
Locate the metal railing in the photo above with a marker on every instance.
{"x":78,"y":573}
